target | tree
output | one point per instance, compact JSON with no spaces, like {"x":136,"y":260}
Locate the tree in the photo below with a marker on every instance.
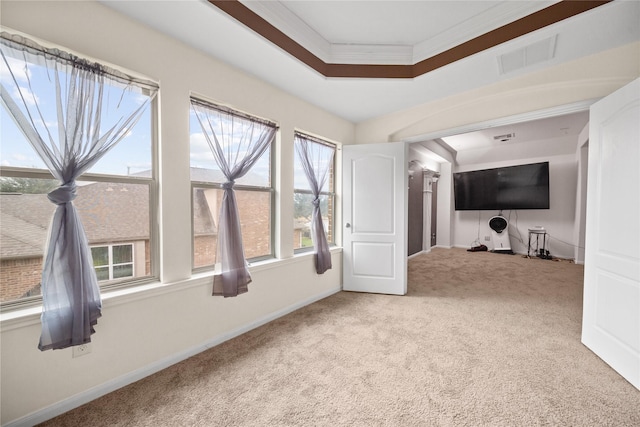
{"x":27,"y":185}
{"x":303,"y":206}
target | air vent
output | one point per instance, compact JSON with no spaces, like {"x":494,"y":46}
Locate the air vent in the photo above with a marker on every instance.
{"x":504,"y":138}
{"x":535,"y":53}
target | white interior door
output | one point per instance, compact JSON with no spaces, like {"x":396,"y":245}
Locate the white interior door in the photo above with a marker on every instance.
{"x":375,"y":182}
{"x":611,"y":318}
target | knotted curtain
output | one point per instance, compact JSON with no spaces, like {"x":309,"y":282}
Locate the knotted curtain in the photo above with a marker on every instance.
{"x":316,"y":159}
{"x":71,"y":118}
{"x":237,"y":142}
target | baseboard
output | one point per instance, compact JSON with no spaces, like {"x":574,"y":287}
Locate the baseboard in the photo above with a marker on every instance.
{"x":124,"y":380}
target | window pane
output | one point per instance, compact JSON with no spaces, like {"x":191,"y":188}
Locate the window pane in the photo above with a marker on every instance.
{"x":255,"y":220}
{"x":27,"y":185}
{"x":109,"y":212}
{"x":122,"y":254}
{"x":102,"y":273}
{"x":303,"y":208}
{"x":205,"y":169}
{"x":321,"y":156}
{"x":120,"y":271}
{"x":206,"y":208}
{"x":131,"y":156}
{"x":118,"y":212}
{"x":100,"y":256}
{"x":238,"y":134}
{"x":25,"y":213}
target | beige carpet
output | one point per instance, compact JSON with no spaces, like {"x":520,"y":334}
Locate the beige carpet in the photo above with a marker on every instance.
{"x":481,"y":339}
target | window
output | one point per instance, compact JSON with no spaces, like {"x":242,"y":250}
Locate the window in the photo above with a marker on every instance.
{"x":254,"y":191}
{"x":113,"y":262}
{"x":115,"y":198}
{"x":303,"y":196}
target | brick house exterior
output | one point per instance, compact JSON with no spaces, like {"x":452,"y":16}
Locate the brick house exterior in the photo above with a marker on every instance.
{"x":19,"y":276}
{"x":255,"y":217}
{"x":112,"y":213}
{"x":116,"y":213}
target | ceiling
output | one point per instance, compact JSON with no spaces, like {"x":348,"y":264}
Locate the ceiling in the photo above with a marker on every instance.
{"x":533,"y":130}
{"x":379,"y":34}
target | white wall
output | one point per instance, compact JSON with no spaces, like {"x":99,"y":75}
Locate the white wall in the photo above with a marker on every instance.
{"x":436,"y":158}
{"x":577,"y":81}
{"x":444,"y":228}
{"x":584,"y":79}
{"x":147,"y":330}
{"x":579,"y":229}
{"x":558,"y":220}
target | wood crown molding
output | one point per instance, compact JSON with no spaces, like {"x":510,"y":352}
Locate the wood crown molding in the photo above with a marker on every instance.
{"x":535,"y":21}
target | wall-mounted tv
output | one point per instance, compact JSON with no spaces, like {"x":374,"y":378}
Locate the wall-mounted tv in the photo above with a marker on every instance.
{"x":513,"y":187}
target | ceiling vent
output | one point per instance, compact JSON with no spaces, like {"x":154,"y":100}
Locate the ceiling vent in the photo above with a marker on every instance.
{"x":535,"y":53}
{"x":504,"y":138}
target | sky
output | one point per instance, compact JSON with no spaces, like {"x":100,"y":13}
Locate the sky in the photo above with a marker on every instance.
{"x":133,"y":154}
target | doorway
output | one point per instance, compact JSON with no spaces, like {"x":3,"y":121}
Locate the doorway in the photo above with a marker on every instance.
{"x":415,"y":223}
{"x":433,"y":238}
{"x":422,"y":208}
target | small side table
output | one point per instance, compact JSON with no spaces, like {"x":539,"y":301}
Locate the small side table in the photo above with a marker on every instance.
{"x":537,"y":232}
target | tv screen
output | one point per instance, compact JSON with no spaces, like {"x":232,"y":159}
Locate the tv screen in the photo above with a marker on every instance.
{"x":513,"y":187}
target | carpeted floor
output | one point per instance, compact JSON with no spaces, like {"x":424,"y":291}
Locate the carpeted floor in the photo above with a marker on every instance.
{"x":481,"y":339}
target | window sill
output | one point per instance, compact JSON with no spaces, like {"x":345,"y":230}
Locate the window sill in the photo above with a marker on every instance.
{"x":14,"y":319}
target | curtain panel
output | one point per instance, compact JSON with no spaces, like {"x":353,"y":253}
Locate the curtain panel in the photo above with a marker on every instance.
{"x":237,"y":142}
{"x":316,"y":159}
{"x":72,"y":112}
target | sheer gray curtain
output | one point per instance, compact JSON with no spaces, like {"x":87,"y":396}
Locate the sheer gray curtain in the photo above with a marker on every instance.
{"x":64,"y":119}
{"x":237,"y":143}
{"x":316,"y":159}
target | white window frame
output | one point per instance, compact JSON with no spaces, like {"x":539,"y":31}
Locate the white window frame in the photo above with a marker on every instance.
{"x":151,"y":182}
{"x":110,"y":264}
{"x":14,"y":172}
{"x":238,"y":187}
{"x":331,"y":194}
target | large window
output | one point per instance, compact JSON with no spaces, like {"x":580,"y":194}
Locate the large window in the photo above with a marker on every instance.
{"x":115,"y":198}
{"x":254,"y":191}
{"x":303,"y":196}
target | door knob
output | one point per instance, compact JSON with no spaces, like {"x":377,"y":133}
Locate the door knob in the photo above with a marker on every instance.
{"x":348,"y":225}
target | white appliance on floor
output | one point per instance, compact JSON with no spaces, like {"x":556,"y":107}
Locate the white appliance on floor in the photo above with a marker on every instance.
{"x":500,"y":234}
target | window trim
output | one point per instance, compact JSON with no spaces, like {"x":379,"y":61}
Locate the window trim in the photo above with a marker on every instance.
{"x":110,"y":265}
{"x":201,"y":101}
{"x":154,"y":225}
{"x":31,"y":301}
{"x":62,"y":54}
{"x":196,"y":99}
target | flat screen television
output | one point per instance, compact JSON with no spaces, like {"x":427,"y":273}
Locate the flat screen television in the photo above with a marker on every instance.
{"x":513,"y":187}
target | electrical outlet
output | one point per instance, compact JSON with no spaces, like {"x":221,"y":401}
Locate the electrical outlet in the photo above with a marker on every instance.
{"x":81,"y":350}
{"x":487,"y":238}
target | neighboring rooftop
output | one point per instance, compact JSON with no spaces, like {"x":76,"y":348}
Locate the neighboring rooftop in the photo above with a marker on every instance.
{"x":110,"y":212}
